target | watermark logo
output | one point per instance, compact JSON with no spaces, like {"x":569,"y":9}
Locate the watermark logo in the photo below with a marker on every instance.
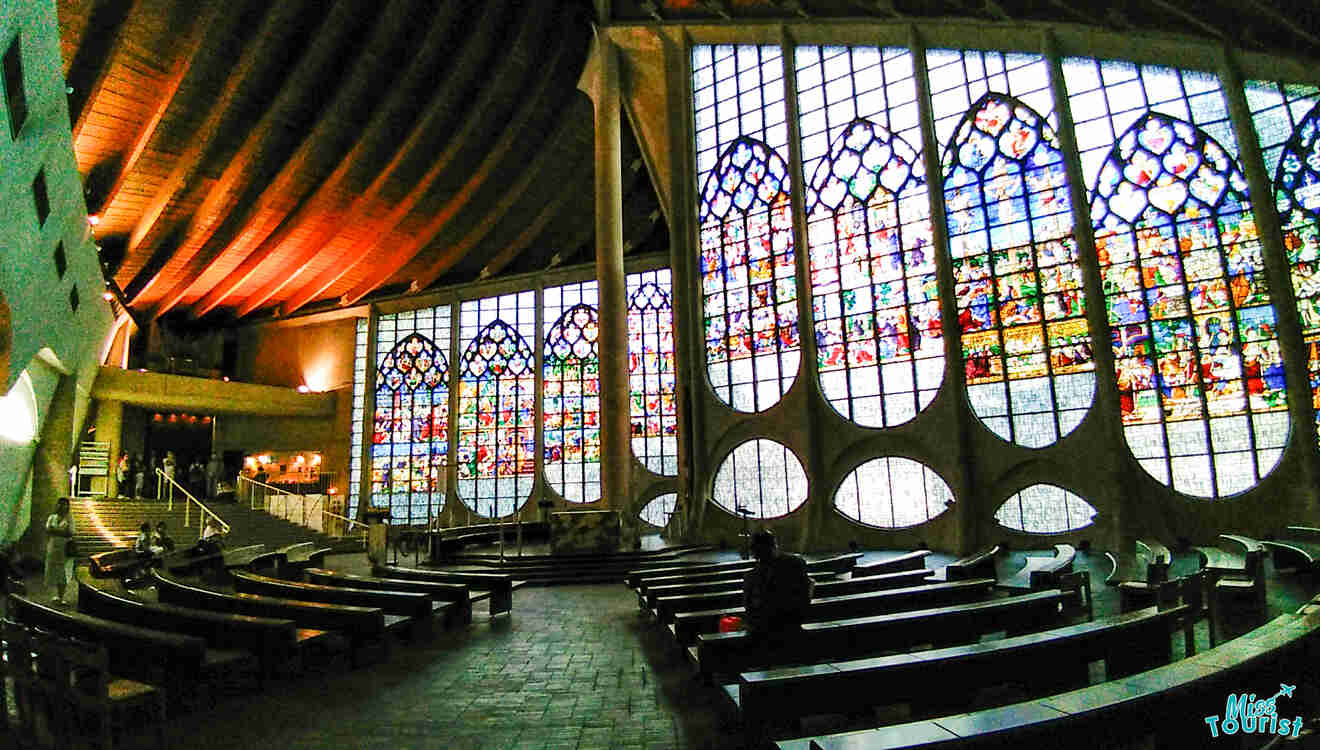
{"x":1244,"y":713}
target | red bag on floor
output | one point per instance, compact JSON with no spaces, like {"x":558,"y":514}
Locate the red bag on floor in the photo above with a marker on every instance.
{"x":730,"y":624}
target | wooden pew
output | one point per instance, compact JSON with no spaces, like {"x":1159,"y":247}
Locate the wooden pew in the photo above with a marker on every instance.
{"x":457,"y":594}
{"x":181,"y":664}
{"x":415,"y":610}
{"x":688,"y":625}
{"x":944,"y":679}
{"x":1043,"y":572}
{"x":726,"y":583}
{"x":275,"y":642}
{"x":185,"y":564}
{"x":1235,"y":574}
{"x":498,"y":585}
{"x":839,"y":564}
{"x":1138,"y":581}
{"x":1298,"y":546}
{"x":363,"y":626}
{"x":979,"y":564}
{"x":914,"y":560}
{"x":954,"y":624}
{"x":1162,"y":707}
{"x":666,"y":607}
{"x":300,"y":557}
{"x":119,"y":563}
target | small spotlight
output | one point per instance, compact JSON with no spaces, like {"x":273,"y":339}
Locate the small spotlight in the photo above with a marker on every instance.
{"x":225,"y":378}
{"x":304,"y":389}
{"x":94,"y":219}
{"x":108,"y":296}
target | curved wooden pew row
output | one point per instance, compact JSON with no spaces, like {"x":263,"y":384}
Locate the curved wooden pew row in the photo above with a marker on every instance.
{"x":979,"y":564}
{"x":641,"y":581}
{"x":724,"y":583}
{"x":1043,"y":572}
{"x":668,"y":607}
{"x":498,"y":586}
{"x":417,"y":609}
{"x":458,"y":594}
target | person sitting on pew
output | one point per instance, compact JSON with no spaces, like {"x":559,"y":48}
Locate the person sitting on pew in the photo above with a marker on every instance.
{"x":144,"y":545}
{"x":161,"y":538}
{"x":211,"y":540}
{"x":776,"y":593}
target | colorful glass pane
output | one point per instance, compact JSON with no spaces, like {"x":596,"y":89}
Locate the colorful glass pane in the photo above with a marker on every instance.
{"x":1025,"y":341}
{"x":1197,"y":360}
{"x":879,"y":345}
{"x":410,"y":436}
{"x":748,"y":276}
{"x":497,"y":405}
{"x":658,"y":511}
{"x":651,"y":372}
{"x":571,"y":407}
{"x":1045,"y":509}
{"x":892,"y":492}
{"x":762,"y":477}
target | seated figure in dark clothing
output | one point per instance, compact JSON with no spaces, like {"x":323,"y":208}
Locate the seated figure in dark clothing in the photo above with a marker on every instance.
{"x":776,"y":593}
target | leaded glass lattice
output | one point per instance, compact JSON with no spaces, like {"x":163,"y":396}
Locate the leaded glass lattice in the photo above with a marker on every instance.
{"x":1192,"y":320}
{"x":763,"y":477}
{"x":571,"y":382}
{"x":652,"y":387}
{"x":892,"y":492}
{"x":880,"y":352}
{"x":658,"y":511}
{"x":359,"y":415}
{"x":1026,"y":345}
{"x":1045,"y":509}
{"x":749,"y":285}
{"x":1287,"y":120}
{"x":410,"y":438}
{"x":497,"y":404}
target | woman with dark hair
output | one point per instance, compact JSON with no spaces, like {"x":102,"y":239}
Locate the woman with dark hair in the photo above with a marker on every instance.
{"x":59,"y":536}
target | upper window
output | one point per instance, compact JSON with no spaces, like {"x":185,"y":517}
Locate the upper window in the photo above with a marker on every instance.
{"x":760,"y":479}
{"x":1045,"y":509}
{"x":410,"y":439}
{"x":749,"y":283}
{"x":15,"y":95}
{"x":1026,"y":345}
{"x":657,"y":512}
{"x":1288,"y":126}
{"x":1185,"y":288}
{"x":875,"y":302}
{"x":651,"y":385}
{"x":892,"y":493}
{"x":571,"y":430}
{"x":497,"y":404}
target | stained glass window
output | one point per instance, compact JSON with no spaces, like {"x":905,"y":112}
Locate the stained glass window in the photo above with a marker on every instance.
{"x":892,"y":492}
{"x":657,"y":512}
{"x":1196,"y":354}
{"x":359,"y":412}
{"x":880,"y":354}
{"x":1287,"y":122}
{"x":651,"y":385}
{"x":1045,"y":509}
{"x":497,"y":404}
{"x":749,"y":285}
{"x":1026,"y":345}
{"x":571,"y":431}
{"x":410,"y":439}
{"x":763,"y":477}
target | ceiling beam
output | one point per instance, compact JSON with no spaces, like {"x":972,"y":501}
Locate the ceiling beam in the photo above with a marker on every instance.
{"x":399,"y":257}
{"x":341,"y":26}
{"x":185,"y":54}
{"x":103,"y":37}
{"x":480,"y":228}
{"x":442,"y":103}
{"x":548,"y":212}
{"x":1288,"y":23}
{"x":532,"y":25}
{"x":82,"y":102}
{"x":191,"y":159}
{"x":1196,"y":19}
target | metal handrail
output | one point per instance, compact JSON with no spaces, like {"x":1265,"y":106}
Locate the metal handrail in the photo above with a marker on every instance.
{"x":271,"y":488}
{"x":162,"y":477}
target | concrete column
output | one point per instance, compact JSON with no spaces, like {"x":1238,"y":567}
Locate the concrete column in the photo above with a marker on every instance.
{"x":616,"y":452}
{"x":50,"y":465}
{"x":109,"y":429}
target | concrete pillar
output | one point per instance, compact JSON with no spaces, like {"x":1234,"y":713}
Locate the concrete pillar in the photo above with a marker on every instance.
{"x":50,"y":465}
{"x":109,"y":429}
{"x":616,"y":451}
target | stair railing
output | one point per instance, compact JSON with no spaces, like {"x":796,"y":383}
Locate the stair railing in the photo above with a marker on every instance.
{"x":167,"y":486}
{"x":259,"y":496}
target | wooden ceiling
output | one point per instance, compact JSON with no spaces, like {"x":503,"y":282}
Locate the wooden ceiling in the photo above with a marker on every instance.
{"x":249,"y":157}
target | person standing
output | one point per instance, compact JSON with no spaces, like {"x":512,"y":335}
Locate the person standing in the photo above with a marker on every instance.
{"x":59,"y":536}
{"x":121,"y":474}
{"x":214,"y":468}
{"x":139,"y":477}
{"x":776,"y":592}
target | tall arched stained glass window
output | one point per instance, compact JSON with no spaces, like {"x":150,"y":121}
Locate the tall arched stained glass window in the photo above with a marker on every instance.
{"x":1193,"y":326}
{"x":651,"y":385}
{"x":1026,"y":345}
{"x":410,"y":439}
{"x":571,"y":406}
{"x":749,"y":286}
{"x":1287,"y":120}
{"x":497,"y":404}
{"x":880,"y":353}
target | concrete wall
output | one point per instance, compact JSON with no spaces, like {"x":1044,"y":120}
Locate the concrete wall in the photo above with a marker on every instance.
{"x":318,"y":354}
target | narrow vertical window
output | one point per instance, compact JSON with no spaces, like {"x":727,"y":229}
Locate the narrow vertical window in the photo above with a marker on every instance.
{"x":40,"y":197}
{"x":1026,"y":345}
{"x":652,"y":388}
{"x":15,"y":95}
{"x":571,"y":402}
{"x":1185,"y":289}
{"x":61,"y":262}
{"x":879,"y":345}
{"x":358,"y":412}
{"x":748,"y":276}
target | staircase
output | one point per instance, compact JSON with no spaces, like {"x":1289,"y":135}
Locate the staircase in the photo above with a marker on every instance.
{"x":102,"y":525}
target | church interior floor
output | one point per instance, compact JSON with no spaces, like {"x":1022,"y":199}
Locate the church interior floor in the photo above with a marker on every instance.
{"x":573,"y":667}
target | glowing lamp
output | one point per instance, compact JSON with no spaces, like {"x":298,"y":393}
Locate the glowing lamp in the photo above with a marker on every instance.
{"x":304,"y":389}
